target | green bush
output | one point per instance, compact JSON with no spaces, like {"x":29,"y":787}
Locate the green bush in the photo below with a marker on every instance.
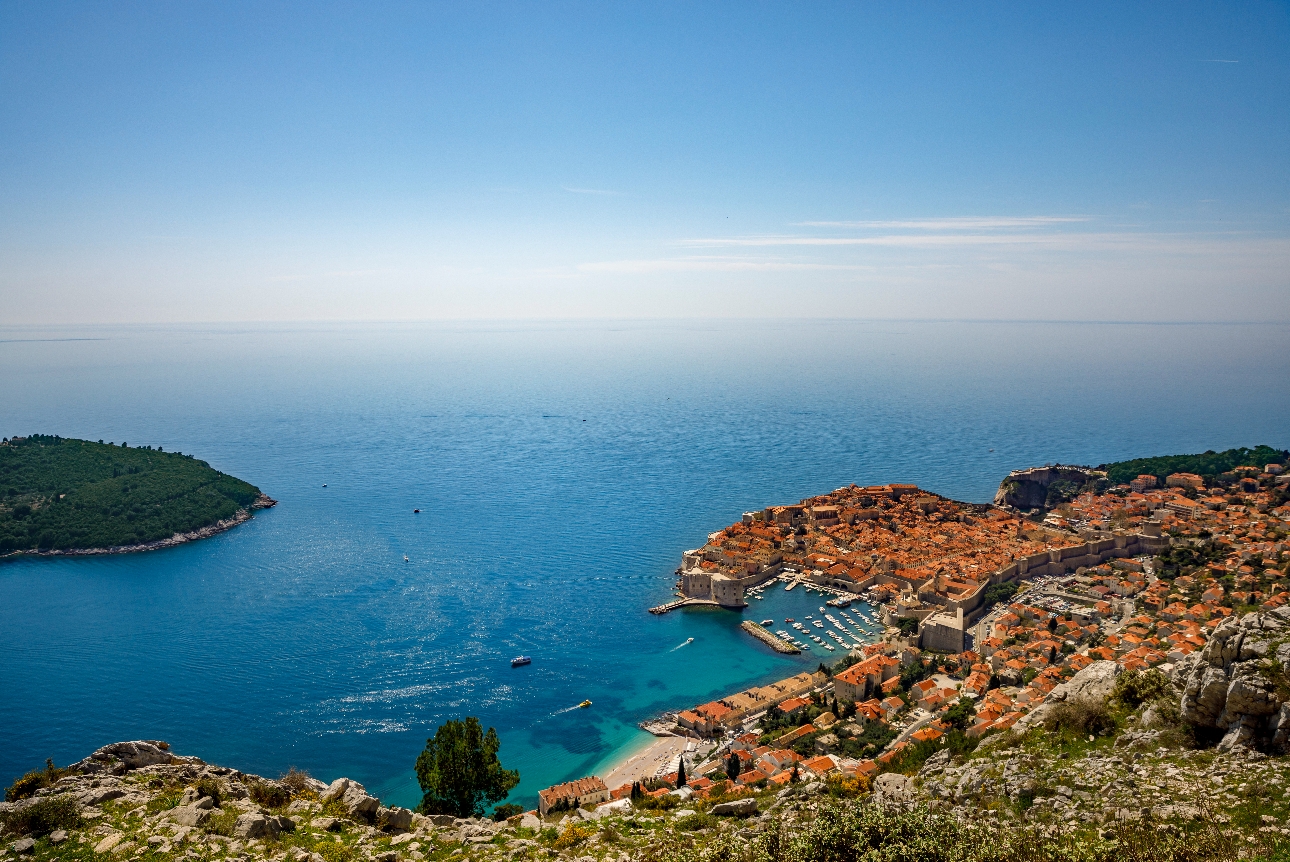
{"x":296,"y":781}
{"x":43,"y":816}
{"x":507,"y":811}
{"x":26,"y":787}
{"x":1134,"y":688}
{"x":209,"y":787}
{"x":268,"y":794}
{"x":1081,"y":717}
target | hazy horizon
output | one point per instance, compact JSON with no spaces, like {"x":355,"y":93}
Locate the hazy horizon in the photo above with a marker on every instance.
{"x":237,"y":162}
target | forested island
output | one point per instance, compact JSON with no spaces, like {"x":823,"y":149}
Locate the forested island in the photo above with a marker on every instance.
{"x":60,"y":495}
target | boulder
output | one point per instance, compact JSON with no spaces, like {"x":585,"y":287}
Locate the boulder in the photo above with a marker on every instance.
{"x":190,"y":815}
{"x":120,"y":757}
{"x":23,"y":846}
{"x":399,"y":819}
{"x":1226,"y":686}
{"x":326,"y":824}
{"x":892,"y":789}
{"x":530,"y":821}
{"x":358,"y":803}
{"x":58,"y":836}
{"x":99,"y":795}
{"x":108,"y":843}
{"x":1093,"y":683}
{"x":335,"y":790}
{"x":737,"y":808}
{"x":254,"y":825}
{"x":442,"y":819}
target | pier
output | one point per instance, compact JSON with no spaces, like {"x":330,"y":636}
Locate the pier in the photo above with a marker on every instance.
{"x":683,"y":603}
{"x":775,"y":642}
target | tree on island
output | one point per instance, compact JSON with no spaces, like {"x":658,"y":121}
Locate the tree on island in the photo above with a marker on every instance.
{"x":680,"y":774}
{"x":459,"y":771}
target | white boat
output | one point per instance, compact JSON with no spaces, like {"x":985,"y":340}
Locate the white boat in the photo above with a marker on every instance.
{"x":829,"y":647}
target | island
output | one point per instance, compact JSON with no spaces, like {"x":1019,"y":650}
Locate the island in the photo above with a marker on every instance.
{"x":61,"y":496}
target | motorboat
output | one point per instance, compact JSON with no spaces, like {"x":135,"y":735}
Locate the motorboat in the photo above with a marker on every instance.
{"x":584,"y":704}
{"x":521,"y":660}
{"x":768,"y":622}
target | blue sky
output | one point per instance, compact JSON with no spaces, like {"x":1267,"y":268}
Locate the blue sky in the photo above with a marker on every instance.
{"x":224,"y":161}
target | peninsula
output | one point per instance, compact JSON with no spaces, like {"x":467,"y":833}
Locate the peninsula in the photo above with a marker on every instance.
{"x":62,"y":496}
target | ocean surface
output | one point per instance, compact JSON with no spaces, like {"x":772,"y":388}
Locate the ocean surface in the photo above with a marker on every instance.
{"x":560,"y":470}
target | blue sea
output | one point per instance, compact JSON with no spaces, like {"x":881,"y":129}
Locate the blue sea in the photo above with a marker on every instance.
{"x":560,"y":469}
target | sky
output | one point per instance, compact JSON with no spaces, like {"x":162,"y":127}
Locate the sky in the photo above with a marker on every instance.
{"x":226,"y":161}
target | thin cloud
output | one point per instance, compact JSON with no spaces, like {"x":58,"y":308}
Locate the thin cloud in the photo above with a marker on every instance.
{"x":954,"y":223}
{"x":589,"y":191}
{"x":709,"y":264}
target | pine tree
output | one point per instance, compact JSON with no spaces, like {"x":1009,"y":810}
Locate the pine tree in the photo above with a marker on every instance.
{"x":732,"y":766}
{"x":794,"y":777}
{"x":680,"y":775}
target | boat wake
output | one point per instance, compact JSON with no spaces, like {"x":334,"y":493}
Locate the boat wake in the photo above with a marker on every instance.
{"x":688,"y":641}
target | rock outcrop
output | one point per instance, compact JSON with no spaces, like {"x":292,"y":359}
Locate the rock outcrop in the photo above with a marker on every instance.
{"x":1028,"y":489}
{"x":1093,"y":683}
{"x":1238,"y":684}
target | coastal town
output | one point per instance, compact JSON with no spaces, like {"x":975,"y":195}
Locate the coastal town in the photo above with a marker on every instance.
{"x":986,"y":611}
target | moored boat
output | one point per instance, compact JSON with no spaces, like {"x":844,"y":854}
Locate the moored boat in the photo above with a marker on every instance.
{"x":520,"y":660}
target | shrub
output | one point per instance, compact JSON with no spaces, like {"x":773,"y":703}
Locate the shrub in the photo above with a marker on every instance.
{"x":209,"y":787}
{"x":268,"y":794}
{"x":574,"y":833}
{"x":1082,"y":717}
{"x":222,"y":823}
{"x":507,"y":811}
{"x":1134,"y":688}
{"x":695,"y":822}
{"x":296,"y":781}
{"x":43,"y":816}
{"x":26,"y":787}
{"x":334,"y":851}
{"x":666,"y":802}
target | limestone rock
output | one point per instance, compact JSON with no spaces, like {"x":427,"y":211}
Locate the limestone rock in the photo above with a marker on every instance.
{"x":120,"y":757}
{"x":893,"y":789}
{"x":326,"y":824}
{"x":99,"y":795}
{"x":530,"y":821}
{"x":398,"y":819}
{"x":58,"y":836}
{"x":737,"y":808}
{"x":335,"y":790}
{"x":191,"y":815}
{"x":23,"y":846}
{"x":254,"y":825}
{"x":442,"y":819}
{"x":358,"y":803}
{"x":108,"y":843}
{"x":1093,"y":683}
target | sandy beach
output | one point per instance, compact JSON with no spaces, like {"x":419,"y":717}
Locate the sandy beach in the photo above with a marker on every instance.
{"x":644,"y":763}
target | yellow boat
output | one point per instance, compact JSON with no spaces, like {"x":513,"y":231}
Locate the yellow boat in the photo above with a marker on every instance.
{"x":584,"y":704}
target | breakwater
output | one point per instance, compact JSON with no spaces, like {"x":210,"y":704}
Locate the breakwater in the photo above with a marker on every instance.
{"x":775,"y":642}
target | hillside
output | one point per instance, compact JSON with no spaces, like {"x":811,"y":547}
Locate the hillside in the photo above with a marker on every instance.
{"x":59,"y":494}
{"x":1207,"y":464}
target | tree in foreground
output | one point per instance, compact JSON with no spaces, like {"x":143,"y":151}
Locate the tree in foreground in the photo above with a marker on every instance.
{"x":459,"y":771}
{"x":680,"y":775}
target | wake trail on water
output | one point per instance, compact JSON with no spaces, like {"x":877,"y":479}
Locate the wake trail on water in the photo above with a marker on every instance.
{"x":678,"y":646}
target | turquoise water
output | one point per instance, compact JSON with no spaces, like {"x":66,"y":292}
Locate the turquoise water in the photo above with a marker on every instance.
{"x":560,"y":470}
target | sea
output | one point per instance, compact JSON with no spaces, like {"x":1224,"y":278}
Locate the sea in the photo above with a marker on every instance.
{"x":560,"y":469}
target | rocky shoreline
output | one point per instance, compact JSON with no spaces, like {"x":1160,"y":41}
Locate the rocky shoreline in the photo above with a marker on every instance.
{"x":241,"y":516}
